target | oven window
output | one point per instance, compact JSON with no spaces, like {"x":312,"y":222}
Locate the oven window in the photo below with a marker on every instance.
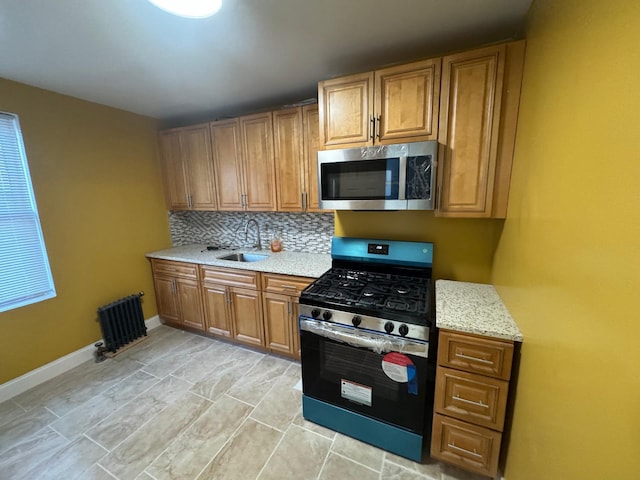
{"x":361,"y":180}
{"x":329,"y":366}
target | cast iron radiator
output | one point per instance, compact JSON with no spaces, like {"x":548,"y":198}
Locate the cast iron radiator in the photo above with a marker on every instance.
{"x":122,"y":322}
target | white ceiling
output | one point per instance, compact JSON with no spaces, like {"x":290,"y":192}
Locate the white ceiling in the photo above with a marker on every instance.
{"x":253,"y":54}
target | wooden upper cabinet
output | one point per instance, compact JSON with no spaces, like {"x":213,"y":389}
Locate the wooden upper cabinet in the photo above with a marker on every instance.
{"x":311,"y":125}
{"x":199,"y":167}
{"x":188,"y":168}
{"x":175,"y":180}
{"x":346,"y":109}
{"x":406,"y":102}
{"x":259,"y":163}
{"x":228,"y":164}
{"x":391,"y":105}
{"x":288,"y":137}
{"x":479,"y":103}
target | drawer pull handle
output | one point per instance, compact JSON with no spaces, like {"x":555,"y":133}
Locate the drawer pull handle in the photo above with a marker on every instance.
{"x":454,"y":447}
{"x":477,"y":404}
{"x":474,"y":359}
{"x":291,"y":287}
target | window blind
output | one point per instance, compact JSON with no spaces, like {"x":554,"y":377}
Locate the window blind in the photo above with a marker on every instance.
{"x":25,"y":275}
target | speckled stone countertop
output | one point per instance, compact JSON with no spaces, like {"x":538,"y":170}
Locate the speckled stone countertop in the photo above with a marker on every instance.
{"x":287,"y":263}
{"x":473,"y":308}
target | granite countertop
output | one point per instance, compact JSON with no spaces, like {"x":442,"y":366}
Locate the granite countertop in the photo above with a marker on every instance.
{"x":473,"y":308}
{"x":286,"y":263}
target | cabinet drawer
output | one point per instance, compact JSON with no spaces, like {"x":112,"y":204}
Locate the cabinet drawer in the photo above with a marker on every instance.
{"x":469,"y":446}
{"x":475,"y":354}
{"x":230,"y":276}
{"x":474,"y":398}
{"x":285,"y":284}
{"x":175,"y":269}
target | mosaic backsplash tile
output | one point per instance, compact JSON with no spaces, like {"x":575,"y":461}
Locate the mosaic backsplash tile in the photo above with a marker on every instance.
{"x":299,"y":232}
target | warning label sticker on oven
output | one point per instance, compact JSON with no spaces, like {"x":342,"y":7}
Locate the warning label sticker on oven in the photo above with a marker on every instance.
{"x":400,"y":368}
{"x":355,"y":392}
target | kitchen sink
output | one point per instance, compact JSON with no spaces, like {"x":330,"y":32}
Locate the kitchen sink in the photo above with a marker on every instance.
{"x":244,"y":257}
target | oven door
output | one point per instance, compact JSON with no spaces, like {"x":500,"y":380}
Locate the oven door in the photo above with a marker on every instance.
{"x":379,"y":376}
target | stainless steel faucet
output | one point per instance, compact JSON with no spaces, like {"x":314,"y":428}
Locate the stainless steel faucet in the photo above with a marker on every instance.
{"x":258,"y":245}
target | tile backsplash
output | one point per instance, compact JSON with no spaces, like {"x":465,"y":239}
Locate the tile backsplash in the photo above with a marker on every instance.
{"x":299,"y":232}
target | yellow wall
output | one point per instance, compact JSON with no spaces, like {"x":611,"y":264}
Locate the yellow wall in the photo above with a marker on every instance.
{"x":98,"y":189}
{"x":463,"y":248}
{"x":568,"y":261}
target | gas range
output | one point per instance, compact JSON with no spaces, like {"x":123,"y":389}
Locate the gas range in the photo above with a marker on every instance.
{"x":383,"y":286}
{"x":368,"y":344}
{"x":391,"y":303}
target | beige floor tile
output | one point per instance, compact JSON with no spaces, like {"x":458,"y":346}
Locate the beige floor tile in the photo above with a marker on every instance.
{"x":226,"y":371}
{"x":361,"y":452}
{"x":158,"y":342}
{"x":338,"y":468}
{"x":253,"y":385}
{"x":66,"y":392}
{"x":97,"y":473}
{"x":24,"y":425}
{"x":280,"y":405}
{"x":101,"y":406}
{"x":188,"y":455}
{"x":391,"y":471}
{"x":126,"y":420}
{"x":430,"y":468}
{"x":8,"y":411}
{"x":244,"y":456}
{"x":209,"y":361}
{"x":133,"y":455}
{"x":28,"y":452}
{"x":299,"y":456}
{"x":314,"y":427}
{"x":70,"y":461}
{"x":174,"y":359}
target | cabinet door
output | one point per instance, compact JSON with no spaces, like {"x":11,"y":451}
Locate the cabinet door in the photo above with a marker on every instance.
{"x":311,"y":125}
{"x":166,"y":298}
{"x":199,"y":167}
{"x":246,"y":309}
{"x":277,"y":311}
{"x":175,"y":179}
{"x":346,"y":110}
{"x":216,"y":311}
{"x":295,"y":327}
{"x":288,"y":140}
{"x":190,"y":303}
{"x":469,"y":124}
{"x":406,"y":102}
{"x":227,"y":155}
{"x":259,"y":162}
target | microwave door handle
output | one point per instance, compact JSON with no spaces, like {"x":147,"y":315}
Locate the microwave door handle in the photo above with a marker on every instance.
{"x":402,"y":179}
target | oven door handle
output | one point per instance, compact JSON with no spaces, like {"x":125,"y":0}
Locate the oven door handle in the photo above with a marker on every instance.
{"x":377,"y":342}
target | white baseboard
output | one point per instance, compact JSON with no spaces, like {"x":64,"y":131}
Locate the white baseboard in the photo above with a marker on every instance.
{"x":40,"y":375}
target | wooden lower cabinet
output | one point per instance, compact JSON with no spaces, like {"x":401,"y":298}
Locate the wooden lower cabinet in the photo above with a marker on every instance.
{"x":259,"y":310}
{"x":466,"y":445}
{"x":472,"y":387}
{"x":178,"y":295}
{"x":232,"y":304}
{"x":280,"y":306}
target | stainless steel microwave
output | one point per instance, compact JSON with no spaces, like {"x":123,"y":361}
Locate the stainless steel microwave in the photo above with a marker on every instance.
{"x":386,"y":177}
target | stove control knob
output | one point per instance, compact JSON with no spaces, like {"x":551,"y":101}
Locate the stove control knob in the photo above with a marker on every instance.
{"x":403,"y":329}
{"x":356,"y":320}
{"x":326,"y":315}
{"x":388,"y":327}
{"x":315,"y":313}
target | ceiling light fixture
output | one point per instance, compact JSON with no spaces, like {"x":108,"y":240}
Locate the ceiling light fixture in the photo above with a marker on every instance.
{"x":189,"y":8}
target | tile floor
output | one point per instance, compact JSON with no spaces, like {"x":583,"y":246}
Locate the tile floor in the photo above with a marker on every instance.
{"x":181,"y":406}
